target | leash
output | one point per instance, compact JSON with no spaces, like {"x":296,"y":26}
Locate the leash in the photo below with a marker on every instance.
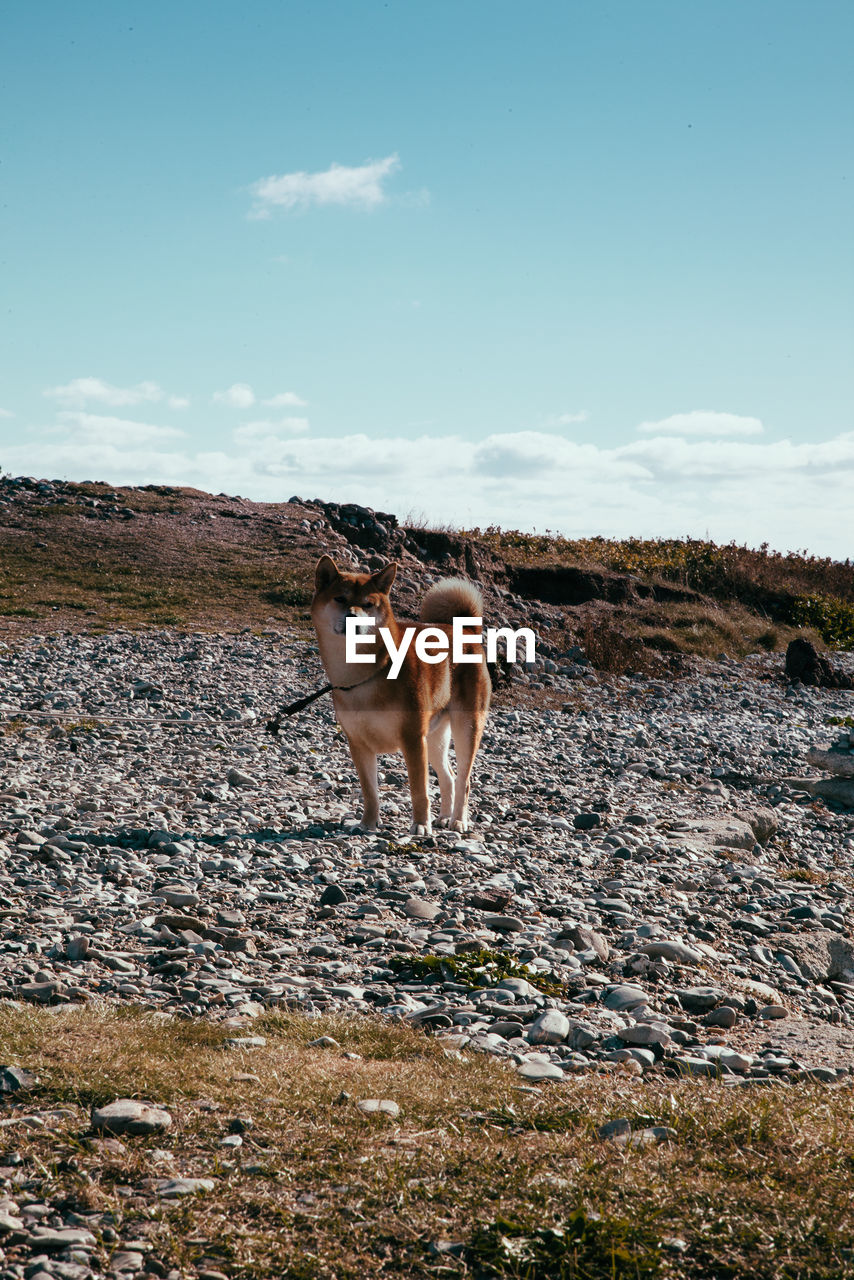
{"x":273,"y":726}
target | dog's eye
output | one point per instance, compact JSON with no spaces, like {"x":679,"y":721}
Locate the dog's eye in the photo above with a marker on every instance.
{"x":340,"y":599}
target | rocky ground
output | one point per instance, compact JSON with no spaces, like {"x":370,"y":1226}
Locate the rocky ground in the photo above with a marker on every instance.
{"x":648,"y":887}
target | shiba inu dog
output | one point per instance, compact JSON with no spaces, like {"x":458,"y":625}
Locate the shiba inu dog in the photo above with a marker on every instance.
{"x":419,"y":712}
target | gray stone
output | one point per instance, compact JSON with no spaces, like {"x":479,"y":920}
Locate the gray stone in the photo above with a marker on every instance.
{"x":840,"y":790}
{"x":52,"y":1240}
{"x":723,"y":1016}
{"x":665,"y":949}
{"x":587,"y":939}
{"x":333,"y":895}
{"x":14,"y":1080}
{"x":419,"y":909}
{"x":624,"y":997}
{"x":171,"y":1188}
{"x":840,"y":763}
{"x":700,"y":999}
{"x":127,"y":1115}
{"x":552,"y":1027}
{"x":503,"y":924}
{"x":379,"y":1106}
{"x":645,"y":1033}
{"x":538,"y":1070}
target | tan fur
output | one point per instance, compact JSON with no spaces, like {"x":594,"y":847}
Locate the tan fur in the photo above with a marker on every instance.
{"x":418,"y":713}
{"x":451,"y":598}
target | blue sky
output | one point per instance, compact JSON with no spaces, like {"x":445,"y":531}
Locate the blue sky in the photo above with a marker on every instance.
{"x":580,"y":266}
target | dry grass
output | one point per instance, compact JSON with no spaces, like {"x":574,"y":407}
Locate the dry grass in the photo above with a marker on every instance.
{"x":173,"y":566}
{"x":474,"y":1178}
{"x":196,"y":561}
{"x":776,"y":590}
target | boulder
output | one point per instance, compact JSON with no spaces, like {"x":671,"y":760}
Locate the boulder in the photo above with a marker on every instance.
{"x":822,"y":955}
{"x":586,"y":939}
{"x":717,"y":833}
{"x":839,"y":763}
{"x":805,"y":663}
{"x":762,"y":822}
{"x":840,"y":790}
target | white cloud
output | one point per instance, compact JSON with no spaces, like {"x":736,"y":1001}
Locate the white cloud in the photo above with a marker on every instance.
{"x":700,"y":422}
{"x":239,"y":396}
{"x":264,"y":429}
{"x":353,"y":186}
{"x":97,"y":427}
{"x":80,"y":390}
{"x":285,"y":399}
{"x":178,"y":402}
{"x":6,"y":413}
{"x":566,"y":419}
{"x":786,"y":493}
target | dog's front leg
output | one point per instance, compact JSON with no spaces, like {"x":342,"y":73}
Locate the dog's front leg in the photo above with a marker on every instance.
{"x":365,"y":761}
{"x":415,"y":754}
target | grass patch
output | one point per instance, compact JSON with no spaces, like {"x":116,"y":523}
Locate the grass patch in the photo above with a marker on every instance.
{"x":586,"y":1244}
{"x":63,"y":567}
{"x":804,"y":875}
{"x":475,"y":969}
{"x":476,"y":1177}
{"x":290,"y":592}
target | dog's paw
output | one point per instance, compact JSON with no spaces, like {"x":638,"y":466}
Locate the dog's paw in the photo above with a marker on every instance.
{"x":421,"y":829}
{"x":363,"y":829}
{"x":458,"y":824}
{"x":444,"y":821}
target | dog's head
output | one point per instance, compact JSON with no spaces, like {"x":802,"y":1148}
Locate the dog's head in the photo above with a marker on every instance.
{"x":338,"y":596}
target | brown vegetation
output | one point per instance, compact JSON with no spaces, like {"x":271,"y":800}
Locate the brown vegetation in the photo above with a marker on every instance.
{"x":478,"y":1176}
{"x":95,"y":558}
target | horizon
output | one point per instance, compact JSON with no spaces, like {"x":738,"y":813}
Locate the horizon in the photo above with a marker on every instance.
{"x":586,"y":272}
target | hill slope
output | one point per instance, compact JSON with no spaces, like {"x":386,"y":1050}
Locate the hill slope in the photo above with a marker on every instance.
{"x":89,"y":556}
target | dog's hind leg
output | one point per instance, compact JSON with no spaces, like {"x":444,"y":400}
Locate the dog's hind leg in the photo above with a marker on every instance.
{"x":466,"y":729}
{"x":415,"y":755}
{"x":365,"y":761}
{"x":438,"y":744}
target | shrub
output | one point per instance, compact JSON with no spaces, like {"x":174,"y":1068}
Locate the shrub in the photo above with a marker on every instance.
{"x":831,"y":617}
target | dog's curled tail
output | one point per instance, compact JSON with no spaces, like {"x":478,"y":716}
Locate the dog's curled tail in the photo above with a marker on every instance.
{"x":451,"y":598}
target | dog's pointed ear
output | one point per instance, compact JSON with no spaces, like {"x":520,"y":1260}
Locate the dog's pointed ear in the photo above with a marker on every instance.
{"x":325,"y":573}
{"x":382,"y":580}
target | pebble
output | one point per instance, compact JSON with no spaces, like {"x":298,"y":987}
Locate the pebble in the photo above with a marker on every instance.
{"x":126,"y":1115}
{"x":551,"y":1027}
{"x":378,"y":1106}
{"x":15,"y":1080}
{"x":537,"y":1069}
{"x":64,"y":1238}
{"x":171,"y":1188}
